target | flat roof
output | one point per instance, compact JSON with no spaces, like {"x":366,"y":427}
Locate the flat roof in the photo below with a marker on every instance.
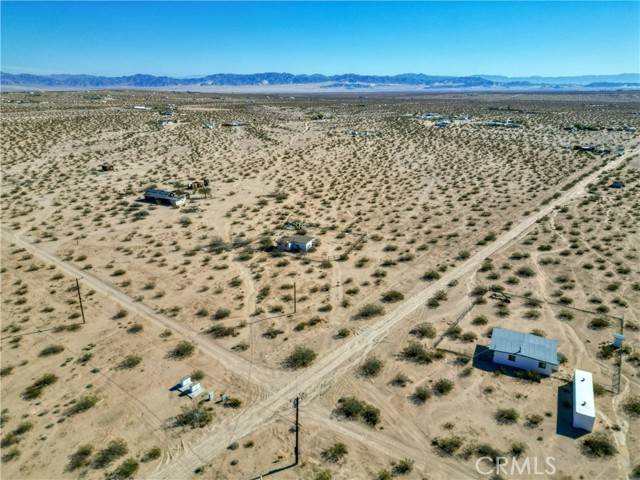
{"x":584,"y":403}
{"x":525,"y":344}
{"x":297,"y":239}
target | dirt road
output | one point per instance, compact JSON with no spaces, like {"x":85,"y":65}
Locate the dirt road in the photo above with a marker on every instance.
{"x":263,"y":377}
{"x":319,"y":377}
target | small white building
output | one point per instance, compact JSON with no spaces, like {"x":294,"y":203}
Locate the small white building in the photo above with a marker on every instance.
{"x":584,"y":407}
{"x":524,"y":351}
{"x":296,"y":243}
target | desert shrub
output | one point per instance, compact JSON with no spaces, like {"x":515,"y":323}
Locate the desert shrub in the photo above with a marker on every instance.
{"x":468,"y":337}
{"x":196,"y":416}
{"x":300,"y":357}
{"x":599,"y":323}
{"x":443,"y":386}
{"x":221,"y":313}
{"x":421,"y":394}
{"x":598,"y":390}
{"x":79,"y":458}
{"x":10,"y":455}
{"x":400,"y":380}
{"x":370,"y":310}
{"x":272,"y":332}
{"x":114,"y":450}
{"x":403,"y":467}
{"x":371,"y":415}
{"x":447,"y":446}
{"x":232,"y":402}
{"x":335,"y":453}
{"x":533,"y":420}
{"x":632,"y":406}
{"x":416,"y":352}
{"x":371,"y":367}
{"x":35,"y":389}
{"x":323,"y":475}
{"x":486,"y":450}
{"x":392,"y":296}
{"x":130,"y":361}
{"x":6,"y":371}
{"x":525,"y":272}
{"x":120,"y":314}
{"x":50,"y":350}
{"x":351,"y":408}
{"x":439,"y":296}
{"x":384,"y":475}
{"x":343,"y":333}
{"x":479,"y":320}
{"x":431,"y":275}
{"x":506,"y":416}
{"x":221,"y":331}
{"x":518,"y":448}
{"x":197,"y":375}
{"x":598,"y":445}
{"x":423,"y":330}
{"x":182,"y":350}
{"x":126,"y":469}
{"x":151,"y":454}
{"x":135,"y":328}
{"x":82,"y":405}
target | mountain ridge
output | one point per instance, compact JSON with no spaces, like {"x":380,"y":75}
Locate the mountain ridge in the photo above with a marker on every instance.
{"x":346,"y":80}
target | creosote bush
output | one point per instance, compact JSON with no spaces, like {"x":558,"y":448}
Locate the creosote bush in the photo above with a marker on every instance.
{"x":300,"y":357}
{"x":196,"y":416}
{"x":335,"y":453}
{"x":351,"y":408}
{"x":598,"y":444}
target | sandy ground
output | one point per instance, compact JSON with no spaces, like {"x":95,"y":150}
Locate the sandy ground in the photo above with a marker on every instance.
{"x":388,"y":196}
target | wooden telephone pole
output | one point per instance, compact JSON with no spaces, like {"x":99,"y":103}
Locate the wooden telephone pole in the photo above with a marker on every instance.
{"x":295,"y":300}
{"x":296,"y":403}
{"x":80,"y":300}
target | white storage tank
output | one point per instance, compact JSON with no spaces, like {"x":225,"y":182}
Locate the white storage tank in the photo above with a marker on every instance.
{"x":584,"y":407}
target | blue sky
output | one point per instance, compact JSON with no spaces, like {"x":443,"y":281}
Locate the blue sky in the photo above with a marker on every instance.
{"x":184,"y":38}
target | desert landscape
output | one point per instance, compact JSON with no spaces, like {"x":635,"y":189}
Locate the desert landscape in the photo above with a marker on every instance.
{"x":430,"y":219}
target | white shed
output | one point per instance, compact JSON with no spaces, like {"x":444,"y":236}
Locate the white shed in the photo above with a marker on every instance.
{"x":584,"y":407}
{"x":296,"y":243}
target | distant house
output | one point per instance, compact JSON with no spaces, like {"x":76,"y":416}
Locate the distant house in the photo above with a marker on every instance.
{"x":584,"y":407}
{"x":164,"y":197}
{"x":234,"y":123}
{"x":524,"y":350}
{"x":296,"y":243}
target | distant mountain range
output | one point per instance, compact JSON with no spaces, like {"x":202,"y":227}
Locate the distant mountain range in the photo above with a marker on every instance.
{"x":350,"y":81}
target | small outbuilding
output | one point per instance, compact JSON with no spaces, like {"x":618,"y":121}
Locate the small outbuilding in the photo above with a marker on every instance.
{"x":296,"y":243}
{"x":106,"y":167}
{"x":584,"y":407}
{"x":524,"y":351}
{"x":164,"y":197}
{"x":617,"y":184}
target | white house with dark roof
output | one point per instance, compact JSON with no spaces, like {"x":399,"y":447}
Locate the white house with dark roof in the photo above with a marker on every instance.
{"x":524,"y":351}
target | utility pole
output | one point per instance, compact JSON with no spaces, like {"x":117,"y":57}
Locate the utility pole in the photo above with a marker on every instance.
{"x":295,"y":298}
{"x":80,"y":300}
{"x":296,"y":403}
